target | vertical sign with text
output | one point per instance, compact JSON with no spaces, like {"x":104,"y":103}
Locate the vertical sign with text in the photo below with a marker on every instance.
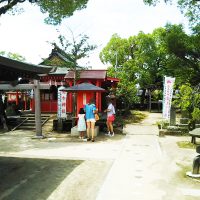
{"x":167,"y":96}
{"x":62,"y":96}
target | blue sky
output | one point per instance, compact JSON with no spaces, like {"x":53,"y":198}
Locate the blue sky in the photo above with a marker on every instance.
{"x":27,"y":35}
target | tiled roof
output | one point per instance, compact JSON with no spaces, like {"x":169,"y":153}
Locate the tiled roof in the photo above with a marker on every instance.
{"x":85,"y":74}
{"x":84,"y":87}
{"x":12,"y":69}
{"x":60,"y":71}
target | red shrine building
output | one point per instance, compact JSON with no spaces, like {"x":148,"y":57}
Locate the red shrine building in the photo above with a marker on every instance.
{"x":63,"y":76}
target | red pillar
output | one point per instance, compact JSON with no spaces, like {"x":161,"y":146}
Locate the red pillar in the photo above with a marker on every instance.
{"x":70,"y":98}
{"x":98,"y":97}
{"x":17,"y":97}
{"x":25,"y":103}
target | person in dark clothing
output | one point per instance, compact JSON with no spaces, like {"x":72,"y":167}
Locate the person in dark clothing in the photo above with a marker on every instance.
{"x":3,"y":114}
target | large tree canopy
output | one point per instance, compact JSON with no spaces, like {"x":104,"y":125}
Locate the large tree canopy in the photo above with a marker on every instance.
{"x":190,"y":8}
{"x":57,"y":10}
{"x":184,"y":54}
{"x":145,"y":59}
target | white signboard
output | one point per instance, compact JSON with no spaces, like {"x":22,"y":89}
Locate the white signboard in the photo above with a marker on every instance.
{"x":167,"y":96}
{"x":62,"y":96}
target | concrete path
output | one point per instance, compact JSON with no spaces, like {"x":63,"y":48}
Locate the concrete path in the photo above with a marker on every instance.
{"x":137,"y":166}
{"x":147,"y":168}
{"x":132,"y":173}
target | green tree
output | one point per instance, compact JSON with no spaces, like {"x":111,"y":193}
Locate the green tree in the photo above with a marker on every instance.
{"x":168,"y":51}
{"x":75,"y":50}
{"x":13,"y":56}
{"x":145,"y":59}
{"x":183,"y":54}
{"x":149,"y":58}
{"x":116,"y":51}
{"x":118,"y":54}
{"x":184,"y":98}
{"x":190,"y":8}
{"x":188,"y":99}
{"x":57,"y":10}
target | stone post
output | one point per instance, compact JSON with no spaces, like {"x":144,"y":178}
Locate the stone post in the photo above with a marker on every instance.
{"x":38,"y":124}
{"x":172,"y":116}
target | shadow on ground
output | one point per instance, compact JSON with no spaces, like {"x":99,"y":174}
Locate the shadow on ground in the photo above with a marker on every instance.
{"x":25,"y":178}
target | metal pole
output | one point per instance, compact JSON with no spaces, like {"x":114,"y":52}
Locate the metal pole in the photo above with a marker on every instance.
{"x":38,"y":124}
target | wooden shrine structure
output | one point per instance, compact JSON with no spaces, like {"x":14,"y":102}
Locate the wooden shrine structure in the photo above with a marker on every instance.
{"x":12,"y":71}
{"x":64,"y":76}
{"x":49,"y":79}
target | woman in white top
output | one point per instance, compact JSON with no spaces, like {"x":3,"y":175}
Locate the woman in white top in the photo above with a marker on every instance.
{"x":110,"y":117}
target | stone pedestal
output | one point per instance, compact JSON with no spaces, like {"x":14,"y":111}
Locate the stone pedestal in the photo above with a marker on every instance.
{"x":161,"y":133}
{"x":172,"y":116}
{"x":74,"y":131}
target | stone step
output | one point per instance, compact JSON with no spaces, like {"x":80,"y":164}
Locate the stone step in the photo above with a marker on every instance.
{"x":183,"y":125}
{"x":29,"y":124}
{"x":33,"y":117}
{"x":184,"y":120}
{"x":26,"y":127}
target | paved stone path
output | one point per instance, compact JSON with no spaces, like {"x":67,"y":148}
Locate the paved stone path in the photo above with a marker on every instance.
{"x":149,"y":167}
{"x":133,"y":171}
{"x":138,"y":166}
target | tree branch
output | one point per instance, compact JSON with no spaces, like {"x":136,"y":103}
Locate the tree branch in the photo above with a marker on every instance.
{"x":9,"y":6}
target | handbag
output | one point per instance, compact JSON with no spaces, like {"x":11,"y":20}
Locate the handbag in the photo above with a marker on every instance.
{"x":96,"y":117}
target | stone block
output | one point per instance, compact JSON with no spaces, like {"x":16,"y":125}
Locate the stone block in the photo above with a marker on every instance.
{"x":184,"y":120}
{"x":161,"y":133}
{"x":74,"y":131}
{"x":197,"y":125}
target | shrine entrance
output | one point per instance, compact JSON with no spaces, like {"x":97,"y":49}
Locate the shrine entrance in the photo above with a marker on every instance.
{"x":11,"y":74}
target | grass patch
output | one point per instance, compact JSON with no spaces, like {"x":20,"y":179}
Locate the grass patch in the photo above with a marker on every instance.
{"x":134,"y":117}
{"x":184,"y":169}
{"x":186,"y":144}
{"x":181,"y":175}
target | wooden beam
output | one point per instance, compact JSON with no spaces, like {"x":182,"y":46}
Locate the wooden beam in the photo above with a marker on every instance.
{"x":42,"y":86}
{"x":37,"y":86}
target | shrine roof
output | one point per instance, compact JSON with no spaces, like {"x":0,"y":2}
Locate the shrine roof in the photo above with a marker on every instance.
{"x":59,"y":53}
{"x":113,"y":79}
{"x":12,"y":69}
{"x":88,"y":74}
{"x":60,"y":71}
{"x":84,"y":87}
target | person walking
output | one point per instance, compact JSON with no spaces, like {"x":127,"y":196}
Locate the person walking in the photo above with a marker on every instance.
{"x":110,"y":117}
{"x":81,"y":123}
{"x":90,"y":110}
{"x":3,"y":114}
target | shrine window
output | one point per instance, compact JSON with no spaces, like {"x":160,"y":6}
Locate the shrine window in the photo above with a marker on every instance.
{"x":49,"y":95}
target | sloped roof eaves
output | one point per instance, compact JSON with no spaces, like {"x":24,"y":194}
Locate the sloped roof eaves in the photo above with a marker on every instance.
{"x":18,"y":65}
{"x":84,"y":87}
{"x":88,"y":74}
{"x":113,"y":79}
{"x":59,"y":71}
{"x":64,"y":58}
{"x":59,"y":55}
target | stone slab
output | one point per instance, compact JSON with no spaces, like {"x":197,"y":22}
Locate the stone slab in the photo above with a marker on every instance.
{"x":74,"y":131}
